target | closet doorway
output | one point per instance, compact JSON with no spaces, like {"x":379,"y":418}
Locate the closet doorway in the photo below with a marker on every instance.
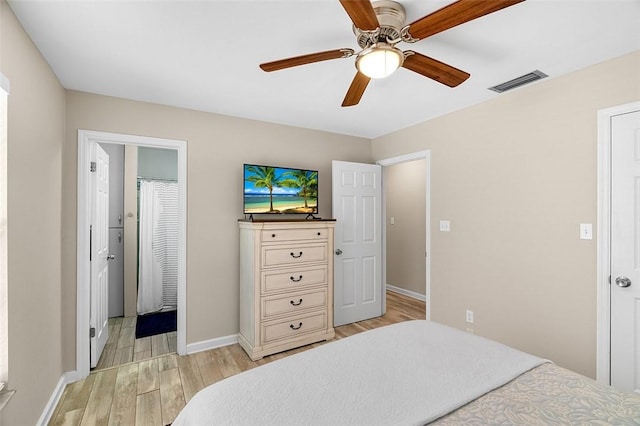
{"x":147,"y":233}
{"x":143,"y":229}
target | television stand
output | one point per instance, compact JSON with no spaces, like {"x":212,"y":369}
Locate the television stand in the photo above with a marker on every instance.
{"x":312,"y":217}
{"x":250,"y":218}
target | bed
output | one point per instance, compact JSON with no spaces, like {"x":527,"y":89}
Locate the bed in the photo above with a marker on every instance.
{"x":410,"y":373}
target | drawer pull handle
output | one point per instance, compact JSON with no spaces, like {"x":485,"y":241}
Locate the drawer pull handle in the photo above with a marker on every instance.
{"x":293,"y":327}
{"x":294,"y":255}
{"x":294,"y":280}
{"x":296,"y":304}
{"x":273,"y":235}
{"x":318,"y":234}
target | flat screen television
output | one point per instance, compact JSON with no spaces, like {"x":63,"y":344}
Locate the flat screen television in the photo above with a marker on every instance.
{"x":269,"y":189}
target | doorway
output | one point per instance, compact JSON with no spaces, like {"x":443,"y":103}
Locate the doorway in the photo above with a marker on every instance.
{"x":386,"y":224}
{"x":612,"y":231}
{"x":86,"y":140}
{"x":350,"y":182}
{"x":142,"y":287}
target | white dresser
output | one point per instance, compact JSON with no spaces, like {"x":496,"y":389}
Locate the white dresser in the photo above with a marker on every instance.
{"x":286,"y":284}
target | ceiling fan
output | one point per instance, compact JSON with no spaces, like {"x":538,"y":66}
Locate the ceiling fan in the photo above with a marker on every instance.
{"x":379,"y":26}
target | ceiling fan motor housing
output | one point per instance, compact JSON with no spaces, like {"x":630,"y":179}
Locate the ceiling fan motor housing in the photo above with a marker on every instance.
{"x":391,"y":17}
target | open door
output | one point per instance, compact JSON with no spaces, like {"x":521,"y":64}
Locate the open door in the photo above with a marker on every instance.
{"x":100,"y":256}
{"x":625,"y":252}
{"x":357,"y":208}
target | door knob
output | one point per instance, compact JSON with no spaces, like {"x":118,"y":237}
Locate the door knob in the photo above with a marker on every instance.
{"x":623,"y":282}
{"x":338,"y":252}
{"x":111,"y":257}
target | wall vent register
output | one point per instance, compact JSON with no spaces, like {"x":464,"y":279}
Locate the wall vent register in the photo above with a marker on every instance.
{"x":519,"y":81}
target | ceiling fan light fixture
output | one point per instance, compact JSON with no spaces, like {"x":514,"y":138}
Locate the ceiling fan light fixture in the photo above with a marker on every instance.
{"x":379,"y":60}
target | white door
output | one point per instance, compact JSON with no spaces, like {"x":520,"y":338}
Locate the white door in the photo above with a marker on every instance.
{"x":625,"y":251}
{"x":98,"y":316}
{"x":357,"y":208}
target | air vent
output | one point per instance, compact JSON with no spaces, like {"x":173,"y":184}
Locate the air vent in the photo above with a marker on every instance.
{"x":519,"y":81}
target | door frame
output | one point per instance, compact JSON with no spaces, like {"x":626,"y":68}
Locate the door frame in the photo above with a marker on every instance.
{"x":83,"y":279}
{"x":390,"y":162}
{"x":603,"y":322}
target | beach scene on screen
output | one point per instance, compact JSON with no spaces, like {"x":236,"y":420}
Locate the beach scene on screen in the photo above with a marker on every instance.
{"x":280,"y":190}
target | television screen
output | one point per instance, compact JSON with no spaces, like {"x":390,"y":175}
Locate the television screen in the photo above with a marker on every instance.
{"x":280,"y":190}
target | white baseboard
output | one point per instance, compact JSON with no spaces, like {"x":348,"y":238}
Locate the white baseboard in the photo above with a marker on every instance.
{"x":406,"y":292}
{"x":211,"y":344}
{"x":67,"y":378}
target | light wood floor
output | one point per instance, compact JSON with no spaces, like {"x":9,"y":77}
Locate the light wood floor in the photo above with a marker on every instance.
{"x":123,"y":347}
{"x":153,"y":391}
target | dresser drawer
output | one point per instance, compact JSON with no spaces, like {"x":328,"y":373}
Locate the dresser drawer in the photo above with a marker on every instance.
{"x":285,"y":255}
{"x":293,"y":303}
{"x":294,"y":234}
{"x":293,"y":326}
{"x":293,"y":278}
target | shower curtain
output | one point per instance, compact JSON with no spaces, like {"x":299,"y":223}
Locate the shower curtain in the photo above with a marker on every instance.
{"x":158,"y":246}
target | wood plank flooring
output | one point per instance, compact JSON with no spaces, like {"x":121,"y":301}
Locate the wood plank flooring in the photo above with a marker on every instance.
{"x":123,"y":347}
{"x":153,"y":391}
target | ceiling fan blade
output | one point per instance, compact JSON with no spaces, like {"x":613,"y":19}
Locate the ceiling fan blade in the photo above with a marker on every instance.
{"x":306,"y":59}
{"x":434,"y":69}
{"x":361,"y":13}
{"x":357,"y":88}
{"x":455,"y":14}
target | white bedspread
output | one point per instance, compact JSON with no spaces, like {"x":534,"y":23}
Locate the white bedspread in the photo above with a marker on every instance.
{"x":409,"y":373}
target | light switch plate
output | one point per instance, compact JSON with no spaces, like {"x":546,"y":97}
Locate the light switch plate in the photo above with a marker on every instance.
{"x":586,"y":231}
{"x":445,"y":226}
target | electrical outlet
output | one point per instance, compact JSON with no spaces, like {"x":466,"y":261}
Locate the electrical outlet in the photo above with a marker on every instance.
{"x":445,"y":226}
{"x":469,"y":317}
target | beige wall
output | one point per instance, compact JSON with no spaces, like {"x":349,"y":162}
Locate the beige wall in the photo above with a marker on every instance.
{"x":217,"y":146}
{"x":405,"y":198}
{"x":516,"y":176}
{"x":36,"y":132}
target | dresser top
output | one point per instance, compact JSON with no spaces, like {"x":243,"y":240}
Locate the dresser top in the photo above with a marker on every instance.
{"x":285,"y":220}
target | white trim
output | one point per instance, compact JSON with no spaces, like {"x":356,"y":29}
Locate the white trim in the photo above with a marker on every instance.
{"x":65,"y":379}
{"x":403,"y":159}
{"x":405,"y":292}
{"x":205,"y":345}
{"x":85,"y":139}
{"x":4,"y":277}
{"x":603,"y":322}
{"x":4,"y":84}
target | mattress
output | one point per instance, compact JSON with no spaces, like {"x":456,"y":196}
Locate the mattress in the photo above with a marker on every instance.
{"x":411,"y":373}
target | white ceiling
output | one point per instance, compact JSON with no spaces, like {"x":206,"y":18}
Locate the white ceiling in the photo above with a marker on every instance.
{"x":204,"y":55}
